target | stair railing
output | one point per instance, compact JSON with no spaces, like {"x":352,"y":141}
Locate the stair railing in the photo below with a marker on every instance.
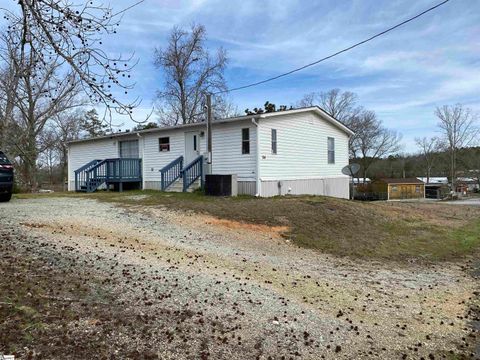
{"x":81,"y":174}
{"x":192,"y":172}
{"x":97,"y":176}
{"x":171,"y":172}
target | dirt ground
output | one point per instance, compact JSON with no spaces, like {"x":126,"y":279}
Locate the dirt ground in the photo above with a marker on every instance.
{"x":81,"y":279}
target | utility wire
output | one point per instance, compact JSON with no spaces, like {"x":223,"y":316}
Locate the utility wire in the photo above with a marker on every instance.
{"x":334,"y":54}
{"x":128,"y":8}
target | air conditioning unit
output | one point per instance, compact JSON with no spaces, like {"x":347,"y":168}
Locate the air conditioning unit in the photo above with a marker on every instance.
{"x":221,"y":185}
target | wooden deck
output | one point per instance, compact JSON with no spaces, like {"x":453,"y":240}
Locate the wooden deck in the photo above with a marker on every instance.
{"x":118,"y":171}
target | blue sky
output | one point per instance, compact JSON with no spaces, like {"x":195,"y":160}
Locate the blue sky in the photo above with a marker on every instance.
{"x":403,"y":75}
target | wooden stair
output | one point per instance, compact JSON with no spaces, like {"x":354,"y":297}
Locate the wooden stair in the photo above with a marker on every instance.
{"x":177,"y":186}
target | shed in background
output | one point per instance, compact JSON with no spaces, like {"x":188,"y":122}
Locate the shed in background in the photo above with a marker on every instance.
{"x":397,"y":189}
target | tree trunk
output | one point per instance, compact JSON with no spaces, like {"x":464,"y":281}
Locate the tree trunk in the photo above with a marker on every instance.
{"x":64,"y":166}
{"x":31,"y":161}
{"x":452,"y":171}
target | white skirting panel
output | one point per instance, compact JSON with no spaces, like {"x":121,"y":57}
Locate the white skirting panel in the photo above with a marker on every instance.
{"x":247,"y":188}
{"x":328,"y":186}
{"x":153,"y":185}
{"x":335,"y":187}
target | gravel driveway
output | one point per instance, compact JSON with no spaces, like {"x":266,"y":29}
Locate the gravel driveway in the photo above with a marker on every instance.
{"x":196,"y":287}
{"x":470,"y":202}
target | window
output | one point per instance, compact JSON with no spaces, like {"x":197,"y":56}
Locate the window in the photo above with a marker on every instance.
{"x":274,"y":141}
{"x":417,"y":188}
{"x":129,"y":149}
{"x":394,"y":188}
{"x":246,"y":141}
{"x":331,"y":150}
{"x":194,"y":142}
{"x":164,"y":144}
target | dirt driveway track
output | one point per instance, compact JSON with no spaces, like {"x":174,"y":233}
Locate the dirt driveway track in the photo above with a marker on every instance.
{"x":137,"y":282}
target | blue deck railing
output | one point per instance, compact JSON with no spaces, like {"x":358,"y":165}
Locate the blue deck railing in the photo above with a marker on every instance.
{"x":171,"y":173}
{"x":98,"y":172}
{"x":193,"y":172}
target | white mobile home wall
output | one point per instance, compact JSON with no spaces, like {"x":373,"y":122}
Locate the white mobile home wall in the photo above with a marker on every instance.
{"x":154,"y":159}
{"x":82,"y":153}
{"x":299,"y":167}
{"x":301,"y":163}
{"x":226,"y":150}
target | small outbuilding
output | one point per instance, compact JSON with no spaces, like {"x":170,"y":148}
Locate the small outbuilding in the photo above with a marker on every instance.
{"x":435,"y":187}
{"x":396,"y":189}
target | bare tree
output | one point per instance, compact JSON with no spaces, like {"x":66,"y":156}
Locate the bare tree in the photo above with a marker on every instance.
{"x":342,"y":105}
{"x":189,"y":72}
{"x":66,"y":127}
{"x":372,"y":141}
{"x":307,"y":100}
{"x":429,"y":147}
{"x":43,"y":90}
{"x":73,"y":32}
{"x":8,"y":88}
{"x":48,"y":156}
{"x":459,"y":129}
{"x":223,"y":108}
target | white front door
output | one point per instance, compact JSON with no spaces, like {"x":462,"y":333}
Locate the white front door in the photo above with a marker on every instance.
{"x":192,"y":146}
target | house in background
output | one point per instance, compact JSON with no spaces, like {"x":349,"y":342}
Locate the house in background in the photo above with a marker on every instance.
{"x":466,"y":184}
{"x":300,"y":151}
{"x":436,"y":187}
{"x":397,"y":189}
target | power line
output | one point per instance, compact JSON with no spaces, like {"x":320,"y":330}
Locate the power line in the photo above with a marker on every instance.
{"x":335,"y":54}
{"x":128,"y":8}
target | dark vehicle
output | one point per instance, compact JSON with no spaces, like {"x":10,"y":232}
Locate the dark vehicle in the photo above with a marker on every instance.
{"x":6,"y":178}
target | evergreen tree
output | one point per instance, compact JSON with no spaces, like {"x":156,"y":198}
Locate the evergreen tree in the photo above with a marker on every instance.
{"x":92,"y":125}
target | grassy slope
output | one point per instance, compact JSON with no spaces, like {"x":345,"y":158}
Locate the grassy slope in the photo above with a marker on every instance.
{"x":380,"y":230}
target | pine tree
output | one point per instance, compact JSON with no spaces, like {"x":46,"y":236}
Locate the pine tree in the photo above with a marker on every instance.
{"x":92,"y":125}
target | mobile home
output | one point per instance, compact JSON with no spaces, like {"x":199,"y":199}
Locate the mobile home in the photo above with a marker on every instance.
{"x":300,"y":151}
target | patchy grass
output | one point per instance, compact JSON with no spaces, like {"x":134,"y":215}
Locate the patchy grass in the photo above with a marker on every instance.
{"x":377,"y":230}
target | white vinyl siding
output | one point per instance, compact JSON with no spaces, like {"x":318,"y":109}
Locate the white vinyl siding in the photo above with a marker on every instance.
{"x":154,"y":159}
{"x":227,"y":157}
{"x":80,"y":154}
{"x":302,"y":152}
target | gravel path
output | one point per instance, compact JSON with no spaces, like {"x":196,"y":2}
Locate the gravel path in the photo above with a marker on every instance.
{"x":217,"y":289}
{"x":469,"y":202}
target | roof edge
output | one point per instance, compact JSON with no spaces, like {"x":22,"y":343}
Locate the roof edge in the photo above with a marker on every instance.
{"x":319,"y":111}
{"x":315,"y":109}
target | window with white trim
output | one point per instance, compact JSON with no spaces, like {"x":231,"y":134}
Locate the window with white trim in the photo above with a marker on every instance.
{"x":164,"y":144}
{"x":331,"y":150}
{"x":246,"y":141}
{"x":129,"y":149}
{"x":274,"y":141}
